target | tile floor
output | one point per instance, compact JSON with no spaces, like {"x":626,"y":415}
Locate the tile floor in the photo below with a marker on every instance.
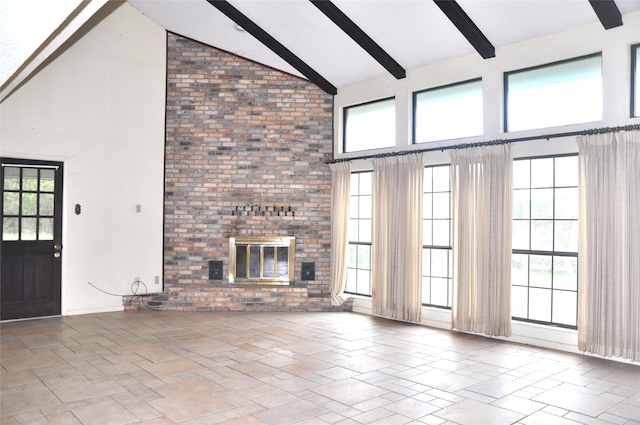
{"x":157,"y":368}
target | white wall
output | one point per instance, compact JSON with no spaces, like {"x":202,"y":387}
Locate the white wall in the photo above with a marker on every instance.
{"x":99,"y":108}
{"x":615,"y":45}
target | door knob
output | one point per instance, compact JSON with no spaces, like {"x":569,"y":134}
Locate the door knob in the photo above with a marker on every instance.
{"x":56,"y":255}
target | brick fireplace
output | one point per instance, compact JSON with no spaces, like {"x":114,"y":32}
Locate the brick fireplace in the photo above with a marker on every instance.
{"x":246,"y":147}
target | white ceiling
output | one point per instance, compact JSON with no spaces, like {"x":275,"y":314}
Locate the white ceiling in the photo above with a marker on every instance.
{"x":413,"y":32}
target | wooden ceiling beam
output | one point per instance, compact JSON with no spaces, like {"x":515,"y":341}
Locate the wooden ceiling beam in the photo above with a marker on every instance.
{"x":467,"y":27}
{"x":607,"y":12}
{"x":261,"y":35}
{"x":332,"y":12}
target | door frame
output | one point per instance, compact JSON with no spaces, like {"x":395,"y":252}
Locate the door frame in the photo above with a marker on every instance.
{"x":58,"y":227}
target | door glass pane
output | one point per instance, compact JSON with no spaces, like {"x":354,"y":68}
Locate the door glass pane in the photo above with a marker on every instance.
{"x":45,"y":229}
{"x":30,"y":179}
{"x":254,"y":261}
{"x":29,"y":229}
{"x":241,"y":261}
{"x":11,"y":203}
{"x":269,"y":258}
{"x":10,"y":229}
{"x":11,"y":178}
{"x":46,"y":204}
{"x":283,"y":261}
{"x":29,"y":204}
{"x":47,"y":180}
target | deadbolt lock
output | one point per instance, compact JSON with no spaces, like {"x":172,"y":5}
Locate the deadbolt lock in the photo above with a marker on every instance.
{"x":57,"y":247}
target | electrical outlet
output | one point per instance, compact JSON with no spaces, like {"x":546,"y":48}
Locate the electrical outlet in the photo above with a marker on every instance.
{"x":156,"y":280}
{"x":136,"y":279}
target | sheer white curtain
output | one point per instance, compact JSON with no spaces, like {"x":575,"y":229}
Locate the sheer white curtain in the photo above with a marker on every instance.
{"x":397,"y":237}
{"x":482,"y":193}
{"x":340,"y":197}
{"x":609,"y":245}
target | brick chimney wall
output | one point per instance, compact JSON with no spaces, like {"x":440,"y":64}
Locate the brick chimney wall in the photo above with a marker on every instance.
{"x":242,"y":136}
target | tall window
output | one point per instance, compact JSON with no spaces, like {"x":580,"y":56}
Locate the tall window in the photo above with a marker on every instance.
{"x":448,"y":112}
{"x":436,"y":245}
{"x":635,"y":80}
{"x":545,"y":240}
{"x":370,"y":125}
{"x":568,"y":92}
{"x":361,"y":204}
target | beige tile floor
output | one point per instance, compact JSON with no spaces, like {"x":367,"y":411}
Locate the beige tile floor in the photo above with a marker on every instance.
{"x":159,"y":368}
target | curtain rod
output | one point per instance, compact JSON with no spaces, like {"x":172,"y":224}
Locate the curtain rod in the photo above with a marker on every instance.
{"x":602,"y":130}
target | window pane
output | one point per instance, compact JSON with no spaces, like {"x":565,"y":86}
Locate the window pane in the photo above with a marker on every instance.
{"x":427,"y":232}
{"x":520,"y":234}
{"x":47,"y":180}
{"x":635,"y":52}
{"x":567,"y":203}
{"x":441,"y":177}
{"x":364,"y":282}
{"x":353,"y":229}
{"x":542,"y":235}
{"x":428,"y":179}
{"x":520,"y":269}
{"x":29,"y":204}
{"x":30,"y":179}
{"x":10,"y":229}
{"x":426,"y":262}
{"x":45,"y":229}
{"x":365,"y":205}
{"x":11,"y":178}
{"x":11,"y":205}
{"x":366,"y":183}
{"x":521,"y":174}
{"x":448,"y":112}
{"x":439,"y":262}
{"x":519,"y":302}
{"x":364,"y":231}
{"x":566,"y":236}
{"x":441,"y":205}
{"x":542,"y":172}
{"x":353,"y":256}
{"x":565,"y":307}
{"x":46,"y":204}
{"x":441,"y":232}
{"x":540,"y":304}
{"x":542,"y":203}
{"x":364,"y":257}
{"x":427,"y":205}
{"x":521,"y":203}
{"x":556,"y":94}
{"x":566,"y":171}
{"x":28,"y":232}
{"x":540,"y":271}
{"x":352,"y":277}
{"x":440,"y":291}
{"x":370,"y":126}
{"x":565,"y":273}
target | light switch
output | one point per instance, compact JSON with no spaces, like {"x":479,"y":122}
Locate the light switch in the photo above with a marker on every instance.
{"x":138,"y":208}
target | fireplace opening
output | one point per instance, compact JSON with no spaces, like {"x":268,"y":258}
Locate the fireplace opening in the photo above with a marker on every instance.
{"x":262,"y":259}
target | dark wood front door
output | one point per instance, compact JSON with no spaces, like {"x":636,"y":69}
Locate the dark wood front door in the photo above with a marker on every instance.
{"x":31,"y":247}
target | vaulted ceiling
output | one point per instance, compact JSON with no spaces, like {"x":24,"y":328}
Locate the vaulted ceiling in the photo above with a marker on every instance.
{"x":333,"y":43}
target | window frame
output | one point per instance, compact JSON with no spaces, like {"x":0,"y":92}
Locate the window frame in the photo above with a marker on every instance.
{"x":505,"y":87}
{"x":433,"y":246}
{"x":345,"y":111}
{"x":414,"y":117}
{"x":634,"y":111}
{"x":358,"y":243}
{"x":551,"y":254}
